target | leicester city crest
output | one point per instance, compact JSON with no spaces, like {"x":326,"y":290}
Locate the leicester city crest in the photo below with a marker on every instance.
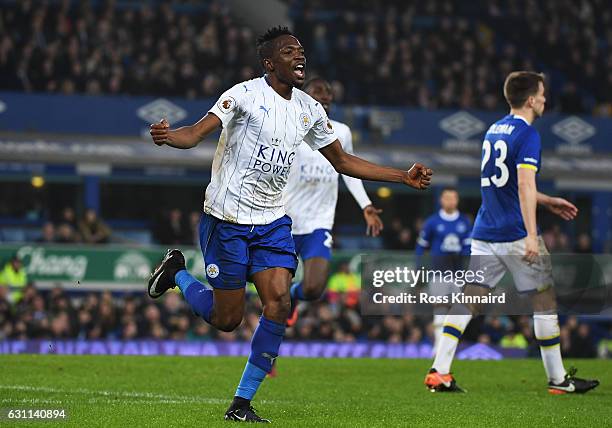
{"x":305,"y":121}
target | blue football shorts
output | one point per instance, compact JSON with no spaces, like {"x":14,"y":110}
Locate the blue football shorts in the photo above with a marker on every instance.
{"x":318,"y":243}
{"x":234,"y":252}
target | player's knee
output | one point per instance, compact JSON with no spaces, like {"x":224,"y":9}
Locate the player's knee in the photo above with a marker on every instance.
{"x":279,"y":304}
{"x":313,"y":289}
{"x":228,"y":323}
{"x":544,"y":301}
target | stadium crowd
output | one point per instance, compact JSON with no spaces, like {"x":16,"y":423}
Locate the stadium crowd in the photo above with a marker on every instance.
{"x":56,"y":315}
{"x":171,"y":227}
{"x":373,"y":53}
{"x":175,"y":227}
{"x":376,"y":53}
{"x":90,"y":229}
{"x":391,"y":52}
{"x":113,"y":47}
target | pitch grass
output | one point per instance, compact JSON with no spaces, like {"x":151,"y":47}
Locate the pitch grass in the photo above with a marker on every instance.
{"x":108,"y":391}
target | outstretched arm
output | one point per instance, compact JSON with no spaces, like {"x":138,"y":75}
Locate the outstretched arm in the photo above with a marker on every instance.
{"x":184,"y":137}
{"x":559,"y":206}
{"x":418,"y":176}
{"x":370,"y":212}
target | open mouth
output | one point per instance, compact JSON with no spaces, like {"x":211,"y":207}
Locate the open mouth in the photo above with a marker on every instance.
{"x":299,"y":72}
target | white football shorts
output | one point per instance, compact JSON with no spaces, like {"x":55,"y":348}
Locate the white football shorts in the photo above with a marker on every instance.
{"x":494,"y":259}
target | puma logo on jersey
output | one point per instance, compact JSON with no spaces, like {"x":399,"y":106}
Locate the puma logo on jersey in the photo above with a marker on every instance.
{"x":266,"y":110}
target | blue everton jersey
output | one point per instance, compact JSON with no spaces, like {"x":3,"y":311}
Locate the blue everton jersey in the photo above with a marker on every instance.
{"x":445,"y":234}
{"x":509,"y":144}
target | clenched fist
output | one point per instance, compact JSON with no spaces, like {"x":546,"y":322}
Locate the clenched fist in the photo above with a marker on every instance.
{"x":418,"y":176}
{"x":159,"y":132}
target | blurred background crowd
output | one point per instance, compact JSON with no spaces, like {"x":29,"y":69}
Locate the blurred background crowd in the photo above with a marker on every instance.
{"x":174,"y":227}
{"x":374,"y":53}
{"x":99,"y":316}
{"x":434,"y":55}
{"x":380,"y":53}
{"x":391,"y":51}
{"x":136,"y":49}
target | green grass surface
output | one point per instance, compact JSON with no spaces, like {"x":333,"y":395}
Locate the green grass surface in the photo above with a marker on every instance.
{"x":189,"y":391}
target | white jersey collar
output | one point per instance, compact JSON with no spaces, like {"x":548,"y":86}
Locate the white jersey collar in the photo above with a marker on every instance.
{"x":265,"y":78}
{"x":518,"y":116}
{"x":448,"y":217}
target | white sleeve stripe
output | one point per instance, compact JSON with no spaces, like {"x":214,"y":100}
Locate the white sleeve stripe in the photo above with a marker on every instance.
{"x":355,"y":186}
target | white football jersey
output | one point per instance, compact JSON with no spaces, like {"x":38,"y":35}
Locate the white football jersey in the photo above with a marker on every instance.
{"x":261,"y":133}
{"x":312,"y":190}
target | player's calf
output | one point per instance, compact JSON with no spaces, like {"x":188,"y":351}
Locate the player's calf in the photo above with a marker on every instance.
{"x":275,"y":298}
{"x":313,"y":290}
{"x":316,"y":270}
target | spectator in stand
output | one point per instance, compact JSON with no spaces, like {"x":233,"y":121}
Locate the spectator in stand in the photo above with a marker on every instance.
{"x":37,"y":319}
{"x":397,"y":236}
{"x":391,"y":232}
{"x":6,"y":315}
{"x":93,"y":230}
{"x":66,"y":234}
{"x":47,"y":234}
{"x":130,"y":330}
{"x":581,"y":342}
{"x":106,"y":318}
{"x":495,"y":329}
{"x":435,"y":54}
{"x":173,"y":230}
{"x":60,"y":326}
{"x":200,"y":331}
{"x":556,"y":241}
{"x":174,"y":315}
{"x":69,"y":217}
{"x":477,"y":42}
{"x":583,"y":244}
{"x":344,"y":284}
{"x":53,"y":314}
{"x":514,"y":339}
{"x":194,"y":224}
{"x":14,"y":277}
{"x":104,"y":47}
{"x":67,"y":227}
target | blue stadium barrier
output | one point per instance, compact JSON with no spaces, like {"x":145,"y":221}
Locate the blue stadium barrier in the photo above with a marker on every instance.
{"x":131,"y":116}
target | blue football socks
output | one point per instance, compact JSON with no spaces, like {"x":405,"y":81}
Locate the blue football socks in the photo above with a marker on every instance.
{"x":196,"y":294}
{"x":265,"y":345}
{"x":296,"y":291}
{"x":250,"y":381}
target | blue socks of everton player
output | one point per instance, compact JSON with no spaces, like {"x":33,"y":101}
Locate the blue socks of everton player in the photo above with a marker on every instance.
{"x":265,"y":344}
{"x":199,"y":297}
{"x":296,"y":291}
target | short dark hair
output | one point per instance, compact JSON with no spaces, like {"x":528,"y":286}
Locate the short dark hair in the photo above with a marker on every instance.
{"x":520,"y":85}
{"x":449,"y":189}
{"x":264,"y":44}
